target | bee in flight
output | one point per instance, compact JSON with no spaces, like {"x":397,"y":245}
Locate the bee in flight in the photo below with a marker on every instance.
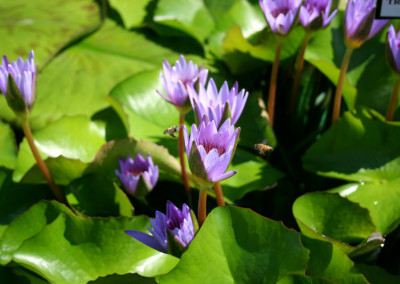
{"x":263,"y":149}
{"x":170,"y":131}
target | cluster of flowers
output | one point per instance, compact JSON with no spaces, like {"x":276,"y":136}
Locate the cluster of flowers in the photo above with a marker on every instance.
{"x":212,"y":142}
{"x":209,"y":147}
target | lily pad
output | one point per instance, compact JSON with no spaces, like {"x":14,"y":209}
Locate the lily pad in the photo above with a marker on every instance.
{"x":229,"y":249}
{"x":65,"y":248}
{"x":62,"y":140}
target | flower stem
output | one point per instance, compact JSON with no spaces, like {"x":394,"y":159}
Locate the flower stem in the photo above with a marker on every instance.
{"x":202,"y":208}
{"x":338,"y":94}
{"x":219,"y":194}
{"x":299,"y":69}
{"x":182,"y":153}
{"x":393,"y":101}
{"x":42,"y":166}
{"x":272,"y":84}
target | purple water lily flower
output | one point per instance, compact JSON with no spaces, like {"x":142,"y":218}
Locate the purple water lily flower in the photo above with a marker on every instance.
{"x":132,"y":171}
{"x":210,"y":150}
{"x":176,"y":223}
{"x":314,"y":14}
{"x":360,"y":22}
{"x":280,"y":14}
{"x":216,"y":105}
{"x":24,"y":75}
{"x":393,"y":49}
{"x":175,"y":79}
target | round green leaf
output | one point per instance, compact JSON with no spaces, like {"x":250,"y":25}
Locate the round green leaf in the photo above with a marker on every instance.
{"x":79,"y":79}
{"x":357,"y":148}
{"x":132,"y":13}
{"x":68,"y":139}
{"x":236,"y":245}
{"x":44,"y":26}
{"x":191,"y":17}
{"x":8,"y":147}
{"x":332,"y":216}
{"x":382,"y":201}
{"x":75,"y":249}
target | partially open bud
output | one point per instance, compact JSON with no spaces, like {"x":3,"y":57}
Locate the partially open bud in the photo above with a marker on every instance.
{"x":360,"y":22}
{"x":18,"y":83}
{"x":171,"y":233}
{"x":210,"y":151}
{"x":138,"y":176}
{"x":393,"y":49}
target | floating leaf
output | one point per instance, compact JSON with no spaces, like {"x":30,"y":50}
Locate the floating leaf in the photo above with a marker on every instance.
{"x":73,"y":141}
{"x":332,"y":216}
{"x":65,"y":248}
{"x":236,"y":245}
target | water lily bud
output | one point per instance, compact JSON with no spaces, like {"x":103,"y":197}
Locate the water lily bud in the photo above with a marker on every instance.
{"x":280,"y":14}
{"x":218,"y":106}
{"x":210,"y":151}
{"x":138,"y":176}
{"x":175,"y":80}
{"x":360,"y":22}
{"x":393,"y":49}
{"x":18,"y":83}
{"x":314,"y":14}
{"x":171,"y":233}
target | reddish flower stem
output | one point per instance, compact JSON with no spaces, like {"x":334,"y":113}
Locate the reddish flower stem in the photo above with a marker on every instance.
{"x":338,"y":94}
{"x":42,"y":166}
{"x":219,"y":194}
{"x":299,"y":69}
{"x":182,"y":153}
{"x":272,"y":84}
{"x":393,"y":101}
{"x":202,"y":207}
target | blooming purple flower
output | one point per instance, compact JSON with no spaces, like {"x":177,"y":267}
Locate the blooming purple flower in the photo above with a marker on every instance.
{"x":216,"y":105}
{"x":314,"y":14}
{"x":280,"y":14}
{"x":24,"y":75}
{"x":176,"y":223}
{"x":176,"y":78}
{"x":210,"y":150}
{"x":132,"y":170}
{"x":393,"y":49}
{"x":360,"y":22}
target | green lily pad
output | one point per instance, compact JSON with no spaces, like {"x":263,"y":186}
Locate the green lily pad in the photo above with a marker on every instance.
{"x":357,"y":148}
{"x":191,"y":17}
{"x":94,"y":66}
{"x":381,"y":200}
{"x":8,"y":147}
{"x":64,"y":141}
{"x":229,"y":249}
{"x":332,"y":217}
{"x":46,"y":27}
{"x":65,"y":248}
{"x":132,"y":13}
